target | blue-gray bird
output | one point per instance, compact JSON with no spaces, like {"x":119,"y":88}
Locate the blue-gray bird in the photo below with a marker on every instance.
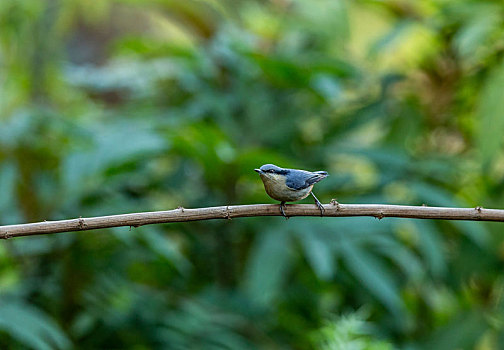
{"x":289,"y":185}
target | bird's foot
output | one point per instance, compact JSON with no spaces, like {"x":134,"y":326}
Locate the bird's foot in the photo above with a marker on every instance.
{"x":319,"y":205}
{"x":322,"y":210}
{"x":282,"y":205}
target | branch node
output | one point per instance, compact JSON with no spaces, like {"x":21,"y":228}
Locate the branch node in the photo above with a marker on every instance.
{"x":181,"y":208}
{"x":6,"y":235}
{"x":478,"y":210}
{"x":380,"y":215}
{"x":336,"y":203}
{"x":228,"y":214}
{"x":82,"y":224}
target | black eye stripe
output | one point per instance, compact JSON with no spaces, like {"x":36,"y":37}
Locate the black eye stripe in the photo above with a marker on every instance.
{"x":273,"y":170}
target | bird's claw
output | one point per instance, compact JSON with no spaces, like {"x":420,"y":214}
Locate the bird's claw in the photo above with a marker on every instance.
{"x":282,"y":205}
{"x":319,"y":205}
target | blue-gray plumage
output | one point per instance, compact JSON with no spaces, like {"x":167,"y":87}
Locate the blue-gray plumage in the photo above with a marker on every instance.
{"x":289,"y":185}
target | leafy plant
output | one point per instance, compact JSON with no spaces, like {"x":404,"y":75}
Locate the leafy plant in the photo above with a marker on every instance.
{"x":126,"y":106}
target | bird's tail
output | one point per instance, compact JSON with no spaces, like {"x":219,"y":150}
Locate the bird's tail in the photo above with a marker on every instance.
{"x":318,"y":176}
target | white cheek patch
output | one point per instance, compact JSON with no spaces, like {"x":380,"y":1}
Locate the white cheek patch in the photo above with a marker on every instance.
{"x":277,"y":178}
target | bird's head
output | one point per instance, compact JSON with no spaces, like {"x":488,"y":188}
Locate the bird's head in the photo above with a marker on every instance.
{"x":270,"y":171}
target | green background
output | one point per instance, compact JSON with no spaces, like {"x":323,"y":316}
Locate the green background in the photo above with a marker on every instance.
{"x":117,"y":106}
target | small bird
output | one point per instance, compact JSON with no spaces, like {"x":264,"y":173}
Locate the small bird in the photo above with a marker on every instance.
{"x":289,"y":185}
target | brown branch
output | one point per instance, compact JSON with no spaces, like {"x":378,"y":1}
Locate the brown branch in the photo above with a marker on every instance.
{"x":334,"y":209}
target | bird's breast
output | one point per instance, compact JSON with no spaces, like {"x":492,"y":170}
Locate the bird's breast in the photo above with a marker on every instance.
{"x":276,"y":188}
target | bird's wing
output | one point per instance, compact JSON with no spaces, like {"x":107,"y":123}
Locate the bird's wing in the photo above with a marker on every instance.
{"x":299,"y":179}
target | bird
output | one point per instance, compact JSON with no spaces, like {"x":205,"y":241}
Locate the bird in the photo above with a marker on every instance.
{"x":290,"y":185}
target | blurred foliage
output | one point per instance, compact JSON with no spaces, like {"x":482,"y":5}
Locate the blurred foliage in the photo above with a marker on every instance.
{"x":348,"y":333}
{"x":124,"y":106}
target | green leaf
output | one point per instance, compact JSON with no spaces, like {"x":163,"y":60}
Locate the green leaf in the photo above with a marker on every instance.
{"x":372,"y":273}
{"x":461,"y":333}
{"x":475,"y":231}
{"x":432,"y":195}
{"x":392,"y":38}
{"x":400,"y":254}
{"x":317,"y":248}
{"x":268,"y":266}
{"x":84,"y":166}
{"x":9,"y":213}
{"x":489,"y":114}
{"x":482,"y":19}
{"x":31,"y":326}
{"x":430,"y":246}
{"x":162,"y":244}
{"x":350,"y":331}
{"x":39,"y":245}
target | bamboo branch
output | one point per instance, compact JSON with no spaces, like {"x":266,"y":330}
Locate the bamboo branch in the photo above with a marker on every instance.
{"x":334,"y":209}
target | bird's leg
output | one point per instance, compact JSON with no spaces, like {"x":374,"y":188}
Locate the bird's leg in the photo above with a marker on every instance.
{"x":282,"y":205}
{"x":319,"y":205}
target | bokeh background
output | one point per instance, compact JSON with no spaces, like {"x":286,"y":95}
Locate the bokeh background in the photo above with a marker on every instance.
{"x":118,"y":106}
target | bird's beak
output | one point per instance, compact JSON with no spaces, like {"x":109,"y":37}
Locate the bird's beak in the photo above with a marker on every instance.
{"x":258,"y":170}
